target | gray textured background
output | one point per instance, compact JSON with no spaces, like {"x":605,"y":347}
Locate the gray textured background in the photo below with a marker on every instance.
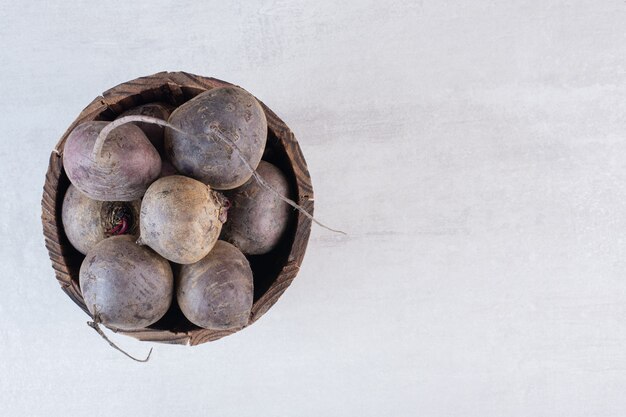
{"x":474,"y":152}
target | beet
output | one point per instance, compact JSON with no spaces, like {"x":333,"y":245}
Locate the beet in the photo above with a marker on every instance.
{"x":180,"y":218}
{"x":121,"y":170}
{"x":257,"y":218}
{"x":237,"y":115}
{"x":86,"y":222}
{"x":126,"y":286}
{"x":217,"y":292}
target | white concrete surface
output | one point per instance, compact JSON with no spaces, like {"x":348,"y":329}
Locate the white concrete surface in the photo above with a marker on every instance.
{"x":474,"y":151}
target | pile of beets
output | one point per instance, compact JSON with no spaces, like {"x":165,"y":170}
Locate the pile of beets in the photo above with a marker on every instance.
{"x":163,"y":208}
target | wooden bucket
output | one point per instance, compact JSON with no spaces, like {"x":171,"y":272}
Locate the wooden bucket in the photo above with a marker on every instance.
{"x":273,"y":272}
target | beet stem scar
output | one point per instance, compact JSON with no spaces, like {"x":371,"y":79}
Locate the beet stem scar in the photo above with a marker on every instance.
{"x":120,"y":228}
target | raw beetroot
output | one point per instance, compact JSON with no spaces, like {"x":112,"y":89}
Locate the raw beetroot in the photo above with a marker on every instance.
{"x":181,"y":218}
{"x":86,"y":222}
{"x":257,"y":218}
{"x":217,"y":292}
{"x":125,"y":285}
{"x":236,"y":114}
{"x":121,"y":170}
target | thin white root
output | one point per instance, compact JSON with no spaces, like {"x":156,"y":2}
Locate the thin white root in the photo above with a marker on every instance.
{"x":96,"y":326}
{"x":216,"y":134}
{"x":220,"y":135}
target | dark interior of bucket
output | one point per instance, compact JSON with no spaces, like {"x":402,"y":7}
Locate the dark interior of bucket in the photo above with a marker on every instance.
{"x":266,"y":268}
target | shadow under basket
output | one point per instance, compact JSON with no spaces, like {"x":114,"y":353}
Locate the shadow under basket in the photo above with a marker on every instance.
{"x":273,"y":272}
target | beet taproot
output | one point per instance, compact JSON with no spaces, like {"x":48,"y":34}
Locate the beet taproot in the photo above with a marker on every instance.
{"x":152,"y":131}
{"x":121,"y":170}
{"x":257,"y":218}
{"x":86,"y":222}
{"x":217,"y":292}
{"x":181,"y":218}
{"x":237,"y":115}
{"x":126,"y":286}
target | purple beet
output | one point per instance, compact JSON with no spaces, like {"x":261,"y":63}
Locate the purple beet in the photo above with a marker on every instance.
{"x":121,"y":170}
{"x":86,"y":222}
{"x":237,"y":115}
{"x":217,"y":291}
{"x":125,"y":285}
{"x":257,"y":218}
